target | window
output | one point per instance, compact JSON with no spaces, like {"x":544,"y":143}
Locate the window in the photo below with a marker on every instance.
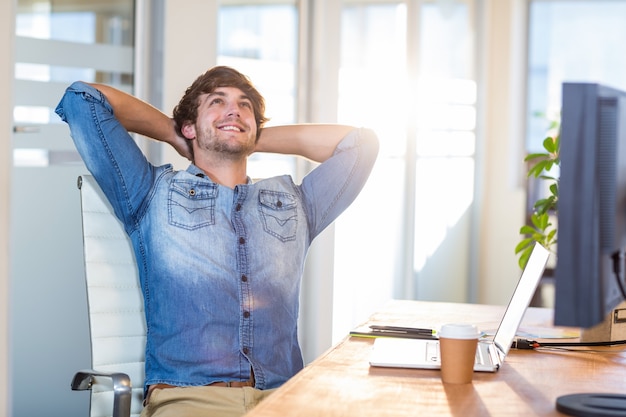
{"x":570,"y":41}
{"x":90,"y":44}
{"x":250,"y":40}
{"x":408,"y":73}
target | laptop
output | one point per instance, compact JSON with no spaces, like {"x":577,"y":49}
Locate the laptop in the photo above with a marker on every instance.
{"x":490,"y":354}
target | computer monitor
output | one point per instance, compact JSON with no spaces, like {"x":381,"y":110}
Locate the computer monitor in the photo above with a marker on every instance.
{"x":591,"y":220}
{"x":592,"y":204}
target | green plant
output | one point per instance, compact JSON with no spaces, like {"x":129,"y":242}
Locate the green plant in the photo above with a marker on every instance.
{"x":540,"y":229}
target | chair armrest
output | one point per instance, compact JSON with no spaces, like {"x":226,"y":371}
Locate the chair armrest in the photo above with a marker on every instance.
{"x":122,"y":389}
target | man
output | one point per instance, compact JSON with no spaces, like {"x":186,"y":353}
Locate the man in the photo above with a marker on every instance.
{"x":220,"y":257}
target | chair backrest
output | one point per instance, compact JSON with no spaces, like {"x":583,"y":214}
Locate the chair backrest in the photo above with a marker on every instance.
{"x":116,"y":316}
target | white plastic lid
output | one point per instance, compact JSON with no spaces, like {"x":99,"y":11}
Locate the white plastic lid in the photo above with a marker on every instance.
{"x":459,"y":331}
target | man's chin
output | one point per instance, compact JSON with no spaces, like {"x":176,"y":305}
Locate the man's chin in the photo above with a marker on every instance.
{"x":234,"y":152}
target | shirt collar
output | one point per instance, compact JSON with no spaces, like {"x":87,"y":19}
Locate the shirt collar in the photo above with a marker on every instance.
{"x":194,"y":170}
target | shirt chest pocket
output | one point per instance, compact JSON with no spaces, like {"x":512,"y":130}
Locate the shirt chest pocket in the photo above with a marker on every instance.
{"x":191,"y":205}
{"x":279,"y":214}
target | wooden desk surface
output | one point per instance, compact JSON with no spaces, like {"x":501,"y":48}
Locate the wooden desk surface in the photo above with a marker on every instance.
{"x":341,"y":382}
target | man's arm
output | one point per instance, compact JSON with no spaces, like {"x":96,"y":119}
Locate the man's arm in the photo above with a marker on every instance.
{"x":140,"y":117}
{"x":316,"y":142}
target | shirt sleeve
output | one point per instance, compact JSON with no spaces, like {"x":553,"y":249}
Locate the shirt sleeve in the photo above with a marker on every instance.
{"x":110,"y":153}
{"x":333,"y":185}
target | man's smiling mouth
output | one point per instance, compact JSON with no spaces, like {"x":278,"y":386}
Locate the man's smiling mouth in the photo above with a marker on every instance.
{"x":231,"y":128}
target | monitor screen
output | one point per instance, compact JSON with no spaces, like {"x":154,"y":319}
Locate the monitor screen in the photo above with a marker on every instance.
{"x":592,"y":204}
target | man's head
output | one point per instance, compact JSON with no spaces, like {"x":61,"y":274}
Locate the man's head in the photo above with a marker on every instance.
{"x":187,"y":109}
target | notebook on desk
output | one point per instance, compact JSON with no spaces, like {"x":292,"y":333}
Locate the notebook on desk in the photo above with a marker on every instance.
{"x":490,"y":354}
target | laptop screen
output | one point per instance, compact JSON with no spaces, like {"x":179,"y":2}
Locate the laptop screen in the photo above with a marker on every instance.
{"x":521,"y":298}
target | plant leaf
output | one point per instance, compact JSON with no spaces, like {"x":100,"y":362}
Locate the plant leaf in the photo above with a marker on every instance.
{"x":523,"y":244}
{"x":541,"y":221}
{"x":532,"y":156}
{"x":526,"y":230}
{"x":549,"y":144}
{"x":554,"y":189}
{"x":537,"y":169}
{"x":523,"y":259}
{"x":551,"y":236}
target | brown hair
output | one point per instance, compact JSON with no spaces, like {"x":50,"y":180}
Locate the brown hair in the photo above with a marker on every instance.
{"x":186,"y":111}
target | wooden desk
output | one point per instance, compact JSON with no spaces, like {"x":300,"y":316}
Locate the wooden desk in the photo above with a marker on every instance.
{"x":341,"y":382}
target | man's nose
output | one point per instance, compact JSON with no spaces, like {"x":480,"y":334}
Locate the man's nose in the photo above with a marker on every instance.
{"x":232,"y":110}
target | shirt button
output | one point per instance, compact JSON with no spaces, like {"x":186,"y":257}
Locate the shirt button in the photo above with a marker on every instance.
{"x":246,"y":350}
{"x":246,"y":314}
{"x":244,"y":278}
{"x":242,"y":240}
{"x":238,"y":207}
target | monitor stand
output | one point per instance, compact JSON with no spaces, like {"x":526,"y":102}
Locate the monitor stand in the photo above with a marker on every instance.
{"x":592,"y":405}
{"x":612,"y":328}
{"x":599,"y":404}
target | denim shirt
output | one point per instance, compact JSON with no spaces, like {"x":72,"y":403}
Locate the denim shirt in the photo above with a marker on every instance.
{"x":220,"y":268}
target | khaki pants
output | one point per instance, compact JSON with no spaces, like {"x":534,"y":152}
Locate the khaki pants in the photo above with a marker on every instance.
{"x":203,"y":401}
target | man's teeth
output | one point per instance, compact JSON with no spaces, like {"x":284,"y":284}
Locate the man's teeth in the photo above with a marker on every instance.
{"x":231,"y":128}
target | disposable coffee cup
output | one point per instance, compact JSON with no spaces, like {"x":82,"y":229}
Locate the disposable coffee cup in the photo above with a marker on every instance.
{"x":457,"y":346}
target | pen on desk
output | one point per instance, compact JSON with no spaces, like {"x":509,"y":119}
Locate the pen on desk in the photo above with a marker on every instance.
{"x":403,"y":330}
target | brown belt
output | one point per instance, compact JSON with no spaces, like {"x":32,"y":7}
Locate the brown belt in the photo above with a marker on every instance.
{"x":229,"y":384}
{"x":233,"y":384}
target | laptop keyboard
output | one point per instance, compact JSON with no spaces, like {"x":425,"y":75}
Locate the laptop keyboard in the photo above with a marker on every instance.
{"x":432,"y":352}
{"x":480,"y":349}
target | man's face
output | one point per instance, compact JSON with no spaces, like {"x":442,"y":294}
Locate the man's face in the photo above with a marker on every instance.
{"x":225,"y":124}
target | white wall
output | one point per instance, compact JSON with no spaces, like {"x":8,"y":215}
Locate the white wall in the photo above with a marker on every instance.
{"x":7,"y":12}
{"x":189,"y":49}
{"x":502,"y":199}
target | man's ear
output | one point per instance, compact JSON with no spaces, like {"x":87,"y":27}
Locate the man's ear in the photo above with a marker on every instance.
{"x":189,"y":131}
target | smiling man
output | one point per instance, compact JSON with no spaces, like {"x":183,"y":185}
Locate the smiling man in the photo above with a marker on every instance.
{"x":220,"y":257}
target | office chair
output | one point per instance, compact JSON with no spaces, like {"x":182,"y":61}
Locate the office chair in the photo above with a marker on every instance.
{"x":116,"y":318}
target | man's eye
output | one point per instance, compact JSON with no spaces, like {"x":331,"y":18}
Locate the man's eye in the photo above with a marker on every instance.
{"x":246,"y":104}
